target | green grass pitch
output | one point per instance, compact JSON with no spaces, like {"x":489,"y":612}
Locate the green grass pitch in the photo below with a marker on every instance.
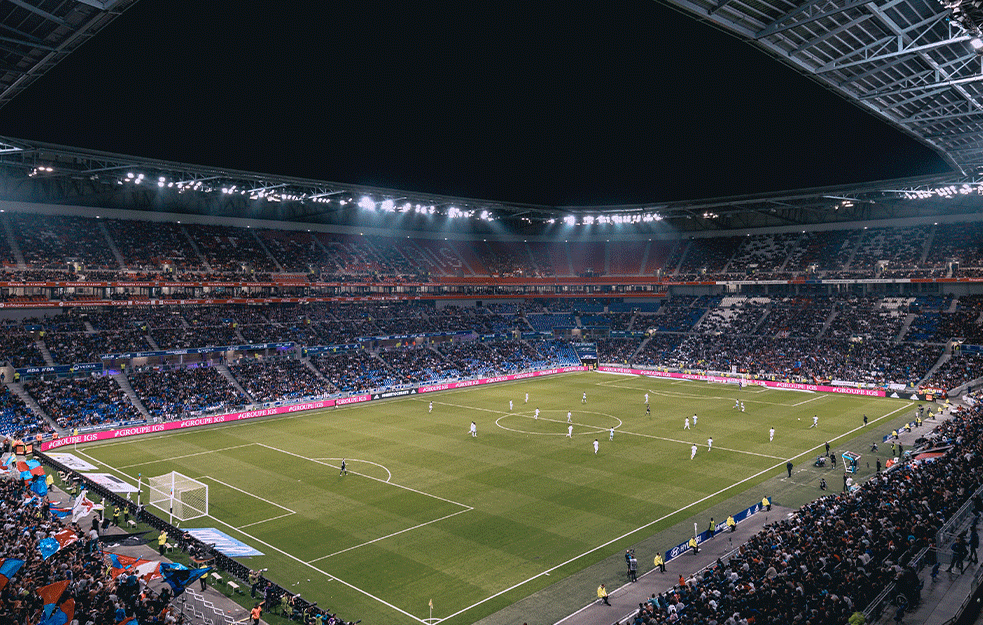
{"x":429,"y":512}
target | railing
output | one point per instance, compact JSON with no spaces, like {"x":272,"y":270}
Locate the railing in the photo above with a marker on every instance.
{"x":221,"y":561}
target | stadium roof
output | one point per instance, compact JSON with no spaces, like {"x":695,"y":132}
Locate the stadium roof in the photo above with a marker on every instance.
{"x":913,"y":63}
{"x":38,"y":172}
{"x":35,"y":35}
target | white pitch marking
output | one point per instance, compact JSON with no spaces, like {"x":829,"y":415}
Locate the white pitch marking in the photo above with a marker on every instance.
{"x":649,"y":524}
{"x":388,"y":535}
{"x":200,"y":453}
{"x":227,"y":485}
{"x":419,"y":492}
{"x":274,"y":518}
{"x":365,"y":461}
{"x":809,"y":400}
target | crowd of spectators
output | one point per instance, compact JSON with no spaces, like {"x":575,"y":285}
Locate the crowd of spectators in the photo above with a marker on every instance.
{"x":416,"y":365}
{"x":277,"y":380}
{"x":18,"y":347}
{"x":83,"y":402}
{"x":16,"y":419}
{"x":80,"y":248}
{"x":833,"y":556}
{"x":800,"y":317}
{"x":98,"y":598}
{"x":186,"y":391}
{"x":351,"y":371}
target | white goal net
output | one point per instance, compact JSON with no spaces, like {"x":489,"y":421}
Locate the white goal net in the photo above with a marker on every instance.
{"x":179,"y":496}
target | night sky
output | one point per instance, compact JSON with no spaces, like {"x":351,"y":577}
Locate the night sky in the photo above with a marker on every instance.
{"x":543,"y":102}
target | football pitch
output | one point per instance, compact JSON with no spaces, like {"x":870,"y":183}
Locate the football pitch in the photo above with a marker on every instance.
{"x":428,"y":512}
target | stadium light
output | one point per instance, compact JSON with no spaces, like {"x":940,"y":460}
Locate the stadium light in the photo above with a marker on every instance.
{"x":367,"y":203}
{"x":570,"y":220}
{"x":976,"y":42}
{"x":388,"y":205}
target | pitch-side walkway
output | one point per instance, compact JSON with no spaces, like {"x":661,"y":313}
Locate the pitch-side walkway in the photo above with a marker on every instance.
{"x":220,"y":601}
{"x":625,"y":599}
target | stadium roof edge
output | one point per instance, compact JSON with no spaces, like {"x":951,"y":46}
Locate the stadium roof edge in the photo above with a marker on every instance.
{"x":41,"y":172}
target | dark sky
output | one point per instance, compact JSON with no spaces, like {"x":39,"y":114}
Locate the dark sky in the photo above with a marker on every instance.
{"x":525,"y":101}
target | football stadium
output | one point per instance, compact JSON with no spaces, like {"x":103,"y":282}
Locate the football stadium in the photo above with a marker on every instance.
{"x":231,"y":394}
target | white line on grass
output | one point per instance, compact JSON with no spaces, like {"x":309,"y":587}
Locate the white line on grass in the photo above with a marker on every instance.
{"x":321,"y":571}
{"x":365,"y":461}
{"x":289,"y":555}
{"x":676,"y":440}
{"x":809,"y":400}
{"x":272,"y":518}
{"x":374,"y":540}
{"x":227,"y":485}
{"x":419,"y":492}
{"x":200,"y":453}
{"x":651,"y":523}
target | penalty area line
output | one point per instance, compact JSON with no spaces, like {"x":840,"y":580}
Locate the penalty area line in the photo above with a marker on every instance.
{"x":199,"y":453}
{"x":375,"y":540}
{"x":321,"y":571}
{"x":651,"y":523}
{"x":413,"y":490}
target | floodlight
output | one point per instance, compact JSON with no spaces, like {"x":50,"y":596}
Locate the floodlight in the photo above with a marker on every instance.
{"x":388,"y":206}
{"x":367,"y":203}
{"x":976,"y":42}
{"x":570,"y":220}
{"x":129,"y":175}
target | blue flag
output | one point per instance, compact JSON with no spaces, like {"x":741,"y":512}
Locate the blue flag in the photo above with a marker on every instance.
{"x":48,"y":547}
{"x":8,"y":568}
{"x":39,"y":486}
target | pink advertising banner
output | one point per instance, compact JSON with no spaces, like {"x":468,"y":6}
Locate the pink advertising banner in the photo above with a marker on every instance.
{"x":153,"y":428}
{"x":702,"y":377}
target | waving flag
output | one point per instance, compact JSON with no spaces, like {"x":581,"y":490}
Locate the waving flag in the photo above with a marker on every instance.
{"x":83,"y":506}
{"x":147,"y":570}
{"x":8,"y":568}
{"x":179,"y":576}
{"x":30,"y":468}
{"x":50,"y":546}
{"x":51,"y":594}
{"x":60,"y":513}
{"x":59,"y":614}
{"x":39,"y":486}
{"x":9,"y":465}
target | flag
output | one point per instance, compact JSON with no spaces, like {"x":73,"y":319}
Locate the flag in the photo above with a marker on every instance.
{"x":9,"y":568}
{"x":132,"y":620}
{"x":179,"y":576}
{"x":39,"y":486}
{"x":83,"y":506}
{"x":431,"y":604}
{"x":60,"y":513}
{"x":59,"y":614}
{"x":30,"y":468}
{"x":10,"y":465}
{"x":147,"y":570}
{"x":51,"y":594}
{"x":50,"y":546}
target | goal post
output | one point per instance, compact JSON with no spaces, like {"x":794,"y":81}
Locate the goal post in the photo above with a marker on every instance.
{"x":180,"y":496}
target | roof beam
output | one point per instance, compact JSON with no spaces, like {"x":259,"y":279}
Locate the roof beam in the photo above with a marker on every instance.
{"x":102,"y":5}
{"x":836,"y":31}
{"x":777,"y":26}
{"x":934,"y":85}
{"x":890,"y":55}
{"x":35,"y":10}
